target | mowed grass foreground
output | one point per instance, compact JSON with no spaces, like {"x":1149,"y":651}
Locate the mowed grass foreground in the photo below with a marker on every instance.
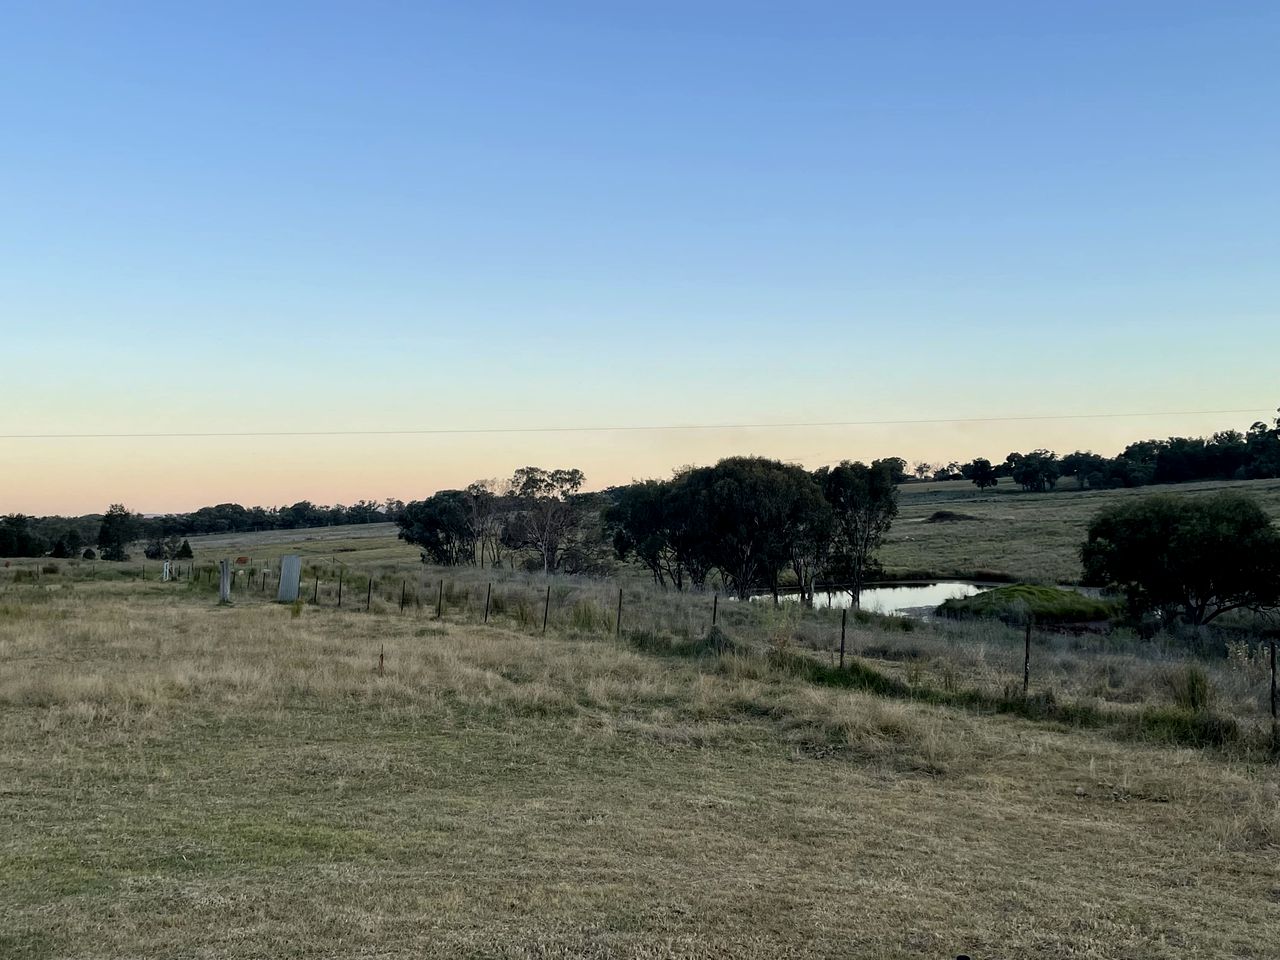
{"x":180,"y":779}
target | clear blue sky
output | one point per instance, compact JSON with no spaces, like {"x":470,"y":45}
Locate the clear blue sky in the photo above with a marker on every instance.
{"x":247,"y":215}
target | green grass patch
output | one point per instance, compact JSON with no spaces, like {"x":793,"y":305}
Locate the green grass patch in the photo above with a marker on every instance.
{"x":1014,"y":603}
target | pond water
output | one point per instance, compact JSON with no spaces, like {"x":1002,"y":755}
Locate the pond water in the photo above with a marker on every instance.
{"x":900,"y":599}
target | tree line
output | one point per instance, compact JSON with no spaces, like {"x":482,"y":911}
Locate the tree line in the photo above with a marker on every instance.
{"x":748,"y":520}
{"x":543,"y":515}
{"x":25,"y":536}
{"x":1226,"y":455}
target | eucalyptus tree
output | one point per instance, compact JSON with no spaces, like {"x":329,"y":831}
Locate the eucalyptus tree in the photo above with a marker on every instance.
{"x":547,"y":512}
{"x":863,"y":502}
{"x":757,"y":516}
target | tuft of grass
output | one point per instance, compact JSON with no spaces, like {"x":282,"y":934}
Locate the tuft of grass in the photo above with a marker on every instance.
{"x":1190,"y":688}
{"x":1182,"y":726}
{"x":588,"y":617}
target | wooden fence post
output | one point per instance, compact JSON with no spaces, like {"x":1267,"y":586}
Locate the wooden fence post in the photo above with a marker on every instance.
{"x":715,"y":607}
{"x":440,"y":600}
{"x":402,"y":596}
{"x":1026,"y":661}
{"x":1275,"y":718}
{"x":844,"y":619}
{"x":315,"y":597}
{"x":368,"y":597}
{"x":546,"y":609}
{"x":488,"y":592}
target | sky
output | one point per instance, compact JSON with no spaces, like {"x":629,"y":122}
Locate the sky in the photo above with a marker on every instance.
{"x":231,"y":218}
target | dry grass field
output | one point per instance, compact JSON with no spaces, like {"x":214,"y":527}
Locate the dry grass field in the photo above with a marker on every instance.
{"x":1025,"y":536}
{"x":183,"y":779}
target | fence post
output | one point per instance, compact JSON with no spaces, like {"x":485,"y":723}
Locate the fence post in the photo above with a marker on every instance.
{"x":315,"y":597}
{"x":546,"y":609}
{"x":844,"y":619}
{"x":440,"y":600}
{"x":1275,"y":719}
{"x":1026,"y":661}
{"x":368,"y":597}
{"x":488,"y":592}
{"x":715,"y":607}
{"x":617,"y":631}
{"x":402,"y":596}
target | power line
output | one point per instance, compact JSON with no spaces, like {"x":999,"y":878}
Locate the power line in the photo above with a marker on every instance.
{"x":654,"y":428}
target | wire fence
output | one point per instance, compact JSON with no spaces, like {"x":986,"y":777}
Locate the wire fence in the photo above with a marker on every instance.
{"x":1235,"y":678}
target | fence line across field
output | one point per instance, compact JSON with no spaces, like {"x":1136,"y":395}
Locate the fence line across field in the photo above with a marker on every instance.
{"x":947,"y":656}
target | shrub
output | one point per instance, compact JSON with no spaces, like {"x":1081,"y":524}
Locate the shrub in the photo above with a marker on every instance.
{"x":1190,"y":688}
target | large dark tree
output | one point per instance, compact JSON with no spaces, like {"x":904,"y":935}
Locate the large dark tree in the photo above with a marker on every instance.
{"x":981,"y":472}
{"x":1037,"y":471}
{"x":17,"y":538}
{"x":754,"y":511}
{"x":864,"y":503}
{"x":1262,"y":449}
{"x":897,"y":467}
{"x":661,"y":523}
{"x":441,"y":526}
{"x":1195,"y":558}
{"x":119,"y":528}
{"x":1088,"y":468}
{"x":638,"y":519}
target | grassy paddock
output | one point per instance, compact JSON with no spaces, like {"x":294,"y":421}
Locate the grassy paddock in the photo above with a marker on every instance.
{"x":1016,"y":535}
{"x":180,"y":778}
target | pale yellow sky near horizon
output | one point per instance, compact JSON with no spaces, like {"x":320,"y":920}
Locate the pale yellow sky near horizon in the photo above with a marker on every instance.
{"x":162,"y":475}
